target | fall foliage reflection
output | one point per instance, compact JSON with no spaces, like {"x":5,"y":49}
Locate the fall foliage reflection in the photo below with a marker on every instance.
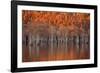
{"x":51,"y":36}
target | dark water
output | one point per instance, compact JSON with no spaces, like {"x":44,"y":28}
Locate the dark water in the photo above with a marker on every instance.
{"x":43,"y":50}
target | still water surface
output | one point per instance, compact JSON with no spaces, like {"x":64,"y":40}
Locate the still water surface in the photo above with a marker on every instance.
{"x":53,"y":51}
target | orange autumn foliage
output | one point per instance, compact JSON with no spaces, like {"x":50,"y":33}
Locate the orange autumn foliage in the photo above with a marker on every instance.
{"x":58,"y":19}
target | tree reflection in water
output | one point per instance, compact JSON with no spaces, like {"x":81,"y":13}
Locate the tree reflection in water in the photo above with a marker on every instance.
{"x":51,"y":48}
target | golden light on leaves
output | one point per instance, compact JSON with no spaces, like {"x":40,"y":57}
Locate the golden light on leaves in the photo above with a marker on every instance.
{"x":72,"y":21}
